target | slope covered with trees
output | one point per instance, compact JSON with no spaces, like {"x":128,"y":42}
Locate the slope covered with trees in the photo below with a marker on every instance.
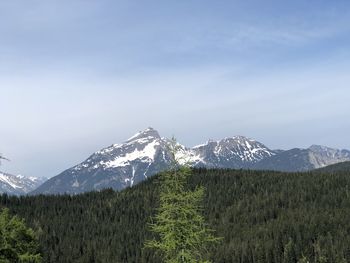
{"x":262,"y":217}
{"x":338,"y":167}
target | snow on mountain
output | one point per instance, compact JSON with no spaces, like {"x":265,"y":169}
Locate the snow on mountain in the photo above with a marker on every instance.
{"x":146,"y":153}
{"x":18,"y":184}
{"x":235,"y":152}
{"x":117,"y":166}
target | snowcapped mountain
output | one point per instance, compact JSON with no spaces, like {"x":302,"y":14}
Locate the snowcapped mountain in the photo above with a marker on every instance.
{"x":235,"y":152}
{"x":18,"y":184}
{"x":117,"y":166}
{"x":146,"y":153}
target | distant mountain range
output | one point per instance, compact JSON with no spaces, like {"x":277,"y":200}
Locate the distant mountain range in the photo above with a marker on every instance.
{"x":303,"y":159}
{"x":18,"y":184}
{"x":146,"y":153}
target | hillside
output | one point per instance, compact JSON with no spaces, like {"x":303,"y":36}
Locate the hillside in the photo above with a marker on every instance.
{"x":339,"y":167}
{"x":262,"y":216}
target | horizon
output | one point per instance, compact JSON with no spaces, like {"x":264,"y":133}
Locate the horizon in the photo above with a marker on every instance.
{"x":78,"y":76}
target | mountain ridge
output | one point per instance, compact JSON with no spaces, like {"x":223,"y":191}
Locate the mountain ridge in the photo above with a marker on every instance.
{"x":18,"y":184}
{"x":123,"y":165}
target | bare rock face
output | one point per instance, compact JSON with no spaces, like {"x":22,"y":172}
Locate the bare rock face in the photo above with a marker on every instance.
{"x":321,"y":156}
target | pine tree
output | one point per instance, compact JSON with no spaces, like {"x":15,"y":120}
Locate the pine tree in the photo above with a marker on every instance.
{"x":182,"y":233}
{"x":18,"y":243}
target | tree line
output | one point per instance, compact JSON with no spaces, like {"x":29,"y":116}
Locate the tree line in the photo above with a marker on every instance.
{"x":262,"y":217}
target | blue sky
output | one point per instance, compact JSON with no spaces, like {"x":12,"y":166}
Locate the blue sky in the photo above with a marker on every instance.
{"x":76,"y":76}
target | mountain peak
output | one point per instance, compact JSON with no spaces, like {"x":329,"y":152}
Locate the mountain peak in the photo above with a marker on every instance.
{"x":18,"y":184}
{"x":240,"y":139}
{"x":320,"y":148}
{"x":149,"y":132}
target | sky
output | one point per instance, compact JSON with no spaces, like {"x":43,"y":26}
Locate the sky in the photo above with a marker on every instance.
{"x":77,"y":76}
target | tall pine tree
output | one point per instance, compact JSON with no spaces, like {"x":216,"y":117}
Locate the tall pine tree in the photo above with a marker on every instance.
{"x":182,"y":234}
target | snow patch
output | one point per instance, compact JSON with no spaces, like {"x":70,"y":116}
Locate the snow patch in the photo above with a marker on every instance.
{"x":147,"y":154}
{"x":188,"y":156}
{"x":134,"y":137}
{"x":199,"y":145}
{"x":133,"y":176}
{"x":76,"y":183}
{"x":6,"y":179}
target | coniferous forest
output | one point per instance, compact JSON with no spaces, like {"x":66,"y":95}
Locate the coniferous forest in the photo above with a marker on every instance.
{"x":261,"y":217}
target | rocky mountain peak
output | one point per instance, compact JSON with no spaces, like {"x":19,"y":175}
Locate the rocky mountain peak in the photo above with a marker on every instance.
{"x":320,"y":148}
{"x":148,"y":133}
{"x":18,"y":184}
{"x":242,"y":139}
{"x":237,"y":141}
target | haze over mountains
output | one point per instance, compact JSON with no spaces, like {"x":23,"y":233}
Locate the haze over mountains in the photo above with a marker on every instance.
{"x":146,"y":153}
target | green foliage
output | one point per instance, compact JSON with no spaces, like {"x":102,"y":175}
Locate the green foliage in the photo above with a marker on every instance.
{"x":183,"y":234}
{"x":257,"y":213}
{"x":18,"y":243}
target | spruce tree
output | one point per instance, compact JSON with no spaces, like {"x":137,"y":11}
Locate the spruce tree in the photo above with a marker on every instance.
{"x":182,"y":234}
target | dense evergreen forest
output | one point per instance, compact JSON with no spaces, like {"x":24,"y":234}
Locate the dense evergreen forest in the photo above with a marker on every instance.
{"x":344,"y":166}
{"x":261,"y":216}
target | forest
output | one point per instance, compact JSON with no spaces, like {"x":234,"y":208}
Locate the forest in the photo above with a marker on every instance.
{"x":261,"y":216}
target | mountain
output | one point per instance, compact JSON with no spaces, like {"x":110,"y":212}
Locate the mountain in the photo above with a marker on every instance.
{"x":236,"y":152}
{"x":146,"y":153}
{"x":18,"y":184}
{"x":321,"y":156}
{"x":297,"y":159}
{"x":117,"y":166}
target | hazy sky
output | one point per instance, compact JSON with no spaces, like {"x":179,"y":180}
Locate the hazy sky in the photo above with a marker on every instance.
{"x":76,"y":76}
